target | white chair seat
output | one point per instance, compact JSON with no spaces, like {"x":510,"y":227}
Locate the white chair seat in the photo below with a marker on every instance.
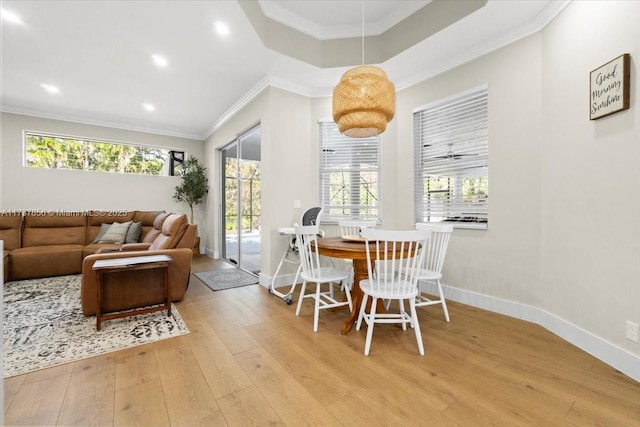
{"x":327,"y":274}
{"x":404,"y":292}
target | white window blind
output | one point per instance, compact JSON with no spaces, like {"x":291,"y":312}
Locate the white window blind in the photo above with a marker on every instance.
{"x":349,"y":175}
{"x":451,"y":139}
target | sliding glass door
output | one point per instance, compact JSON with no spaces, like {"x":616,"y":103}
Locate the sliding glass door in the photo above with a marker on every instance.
{"x":242,"y":207}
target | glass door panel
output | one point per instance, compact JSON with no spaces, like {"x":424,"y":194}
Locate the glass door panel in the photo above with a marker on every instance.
{"x":242,"y":208}
{"x":250,"y":200}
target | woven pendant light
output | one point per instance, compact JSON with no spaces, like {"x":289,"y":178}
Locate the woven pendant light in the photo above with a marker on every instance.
{"x":363,"y":102}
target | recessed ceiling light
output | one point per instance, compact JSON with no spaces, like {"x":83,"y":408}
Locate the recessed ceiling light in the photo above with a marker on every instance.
{"x":50,"y":88}
{"x":221,"y":28}
{"x":160,"y":61}
{"x":10,"y":16}
{"x":148,"y":107}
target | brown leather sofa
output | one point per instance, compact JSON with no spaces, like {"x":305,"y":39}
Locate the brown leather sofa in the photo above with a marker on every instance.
{"x":172,"y":236}
{"x":44,"y":244}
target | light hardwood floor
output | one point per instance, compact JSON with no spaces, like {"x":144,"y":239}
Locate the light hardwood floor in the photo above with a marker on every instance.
{"x":250,"y":361}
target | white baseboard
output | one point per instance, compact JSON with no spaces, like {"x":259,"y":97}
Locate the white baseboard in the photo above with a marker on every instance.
{"x":620,"y":359}
{"x":211,"y":254}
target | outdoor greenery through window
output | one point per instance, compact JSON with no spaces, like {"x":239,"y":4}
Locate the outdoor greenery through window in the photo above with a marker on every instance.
{"x":349,"y":175}
{"x":451,"y":139}
{"x":58,"y":152}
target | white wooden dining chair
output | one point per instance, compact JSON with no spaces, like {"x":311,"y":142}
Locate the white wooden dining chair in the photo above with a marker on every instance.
{"x":312,"y":271}
{"x":431,"y":271}
{"x":396,"y":251}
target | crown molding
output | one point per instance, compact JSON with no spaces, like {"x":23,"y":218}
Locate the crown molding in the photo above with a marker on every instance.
{"x":284,"y":16}
{"x":518,"y":33}
{"x":96,"y":122}
{"x":239,"y":105}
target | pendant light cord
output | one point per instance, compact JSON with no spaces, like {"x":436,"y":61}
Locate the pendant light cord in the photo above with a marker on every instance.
{"x":362,"y":32}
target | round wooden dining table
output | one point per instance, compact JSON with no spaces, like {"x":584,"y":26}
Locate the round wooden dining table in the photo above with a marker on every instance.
{"x":338,"y":247}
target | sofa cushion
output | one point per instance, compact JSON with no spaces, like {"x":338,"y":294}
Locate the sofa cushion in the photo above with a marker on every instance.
{"x":172,"y":230}
{"x":154,"y":232}
{"x":69,"y":228}
{"x":116,"y":233}
{"x":96,"y":218}
{"x":133,"y":233}
{"x":147,"y":218}
{"x":11,"y":230}
{"x":103,"y":229}
{"x":44,"y":261}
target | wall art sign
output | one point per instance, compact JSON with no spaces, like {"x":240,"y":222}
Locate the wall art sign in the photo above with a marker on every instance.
{"x":609,"y":87}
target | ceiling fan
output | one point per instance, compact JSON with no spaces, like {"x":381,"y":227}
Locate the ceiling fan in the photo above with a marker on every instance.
{"x":450,"y":155}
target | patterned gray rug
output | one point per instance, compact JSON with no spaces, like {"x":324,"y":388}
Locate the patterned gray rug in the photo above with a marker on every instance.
{"x":226,"y":278}
{"x":44,"y":326}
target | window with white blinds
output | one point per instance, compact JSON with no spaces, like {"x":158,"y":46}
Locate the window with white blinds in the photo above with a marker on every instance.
{"x":451,"y":139}
{"x":349,"y":175}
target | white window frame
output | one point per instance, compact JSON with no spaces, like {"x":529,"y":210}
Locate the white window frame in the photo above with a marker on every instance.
{"x":451,"y":153}
{"x":357,"y":159}
{"x":173,"y":157}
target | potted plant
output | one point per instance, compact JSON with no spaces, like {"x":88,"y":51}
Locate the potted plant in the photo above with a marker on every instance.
{"x":194,"y":187}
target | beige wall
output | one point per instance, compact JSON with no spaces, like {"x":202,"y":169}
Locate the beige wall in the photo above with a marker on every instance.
{"x":590,"y":175}
{"x":30,"y":188}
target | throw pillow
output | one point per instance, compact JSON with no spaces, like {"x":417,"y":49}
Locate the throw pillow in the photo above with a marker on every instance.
{"x":134,"y":232}
{"x":116,"y":233}
{"x":103,"y":229}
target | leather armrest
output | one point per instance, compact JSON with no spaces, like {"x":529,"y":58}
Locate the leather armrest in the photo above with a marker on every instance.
{"x":179,"y":272}
{"x":128,"y":247}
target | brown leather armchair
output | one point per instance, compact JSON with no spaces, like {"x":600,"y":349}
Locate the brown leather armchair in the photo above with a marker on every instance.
{"x":130,"y":289}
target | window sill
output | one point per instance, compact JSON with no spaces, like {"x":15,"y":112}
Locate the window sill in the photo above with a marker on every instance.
{"x":469,"y":225}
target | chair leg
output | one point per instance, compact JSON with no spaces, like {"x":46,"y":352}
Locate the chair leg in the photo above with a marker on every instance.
{"x":363,"y":304}
{"x":316,"y":308}
{"x":443,"y":301}
{"x":416,"y":325}
{"x":347,"y":292}
{"x":303,"y":288}
{"x":403,"y":314}
{"x":372,"y":322}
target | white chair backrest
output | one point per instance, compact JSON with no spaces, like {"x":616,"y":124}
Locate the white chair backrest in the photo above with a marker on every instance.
{"x":394,"y":251}
{"x":437,"y":247}
{"x":306,"y":236}
{"x":353,"y":227}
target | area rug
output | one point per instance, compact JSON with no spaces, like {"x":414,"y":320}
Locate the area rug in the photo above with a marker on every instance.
{"x":226,"y":278}
{"x":44,"y":326}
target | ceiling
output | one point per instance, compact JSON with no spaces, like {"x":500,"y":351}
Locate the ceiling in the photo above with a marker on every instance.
{"x":99,"y":53}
